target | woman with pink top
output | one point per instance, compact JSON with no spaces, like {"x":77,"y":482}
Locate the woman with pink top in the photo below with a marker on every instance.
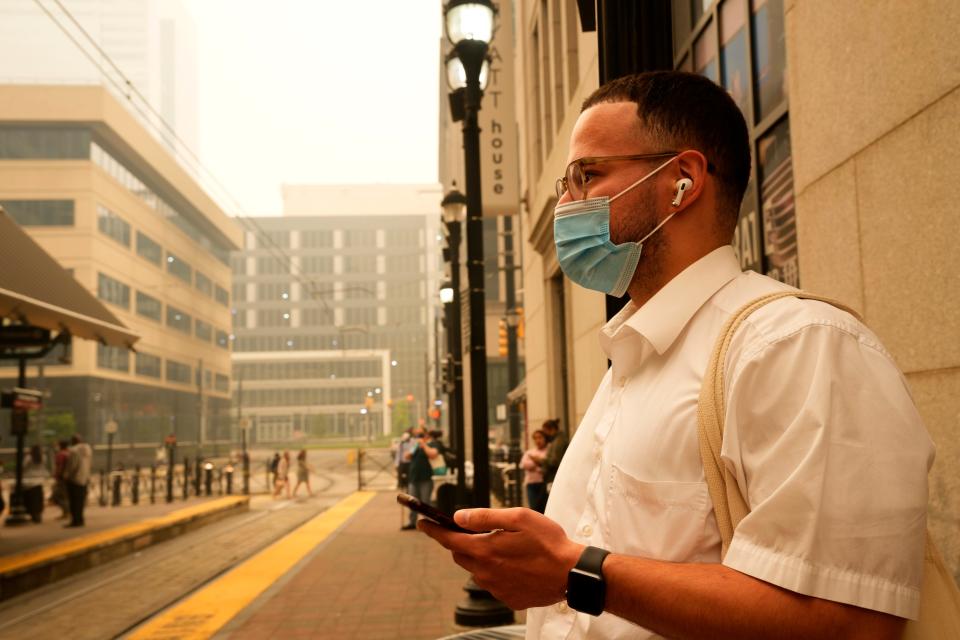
{"x":533,"y":473}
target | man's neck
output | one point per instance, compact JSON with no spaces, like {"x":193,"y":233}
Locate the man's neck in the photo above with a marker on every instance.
{"x":642,"y":288}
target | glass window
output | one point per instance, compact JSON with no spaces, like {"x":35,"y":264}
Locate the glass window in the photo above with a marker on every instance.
{"x":746,"y":237}
{"x":360,"y":238}
{"x":403,"y":315}
{"x":273,"y":318}
{"x":147,"y":248}
{"x":203,"y":284}
{"x":734,"y":66}
{"x":112,"y":225}
{"x":403,"y":264}
{"x":358,"y":290}
{"x":273,"y":291}
{"x":178,"y":372}
{"x":223,"y":340}
{"x":240,"y":292}
{"x":221,"y":383}
{"x":179,"y":320}
{"x":203,"y":330}
{"x":705,"y":53}
{"x":115,"y":358}
{"x":404,"y":291}
{"x":316,"y":239}
{"x":361,"y":316}
{"x":179,"y":268}
{"x":769,"y":56}
{"x":778,"y":211}
{"x":316,"y":264}
{"x":221,"y":295}
{"x":275,"y":239}
{"x":149,"y":307}
{"x":113,"y":291}
{"x":699,"y":7}
{"x":316,"y":317}
{"x":148,"y":365}
{"x":360,"y":264}
{"x":26,"y":143}
{"x":40,"y":213}
{"x":271,"y":266}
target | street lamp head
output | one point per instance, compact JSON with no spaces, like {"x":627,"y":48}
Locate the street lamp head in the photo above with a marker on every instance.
{"x":454,"y":205}
{"x":446,"y":293}
{"x":469,"y":20}
{"x":457,"y":73}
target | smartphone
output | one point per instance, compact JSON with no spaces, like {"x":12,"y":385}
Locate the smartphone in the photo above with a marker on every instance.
{"x":433,"y":514}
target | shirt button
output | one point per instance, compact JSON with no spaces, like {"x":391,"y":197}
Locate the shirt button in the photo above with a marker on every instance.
{"x":562,"y":607}
{"x":586,"y":530}
{"x":623,"y":380}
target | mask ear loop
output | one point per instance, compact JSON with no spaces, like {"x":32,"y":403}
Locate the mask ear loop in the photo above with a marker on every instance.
{"x":643,"y":178}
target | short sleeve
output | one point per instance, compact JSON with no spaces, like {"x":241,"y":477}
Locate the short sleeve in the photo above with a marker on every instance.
{"x":826,"y":443}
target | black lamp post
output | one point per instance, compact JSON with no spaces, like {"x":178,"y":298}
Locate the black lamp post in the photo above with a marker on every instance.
{"x":454,"y":204}
{"x":469,"y":25}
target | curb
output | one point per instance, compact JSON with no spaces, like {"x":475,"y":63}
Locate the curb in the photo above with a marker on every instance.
{"x":30,"y":570}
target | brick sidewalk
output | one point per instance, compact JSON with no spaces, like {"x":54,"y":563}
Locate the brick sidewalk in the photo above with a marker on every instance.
{"x":370,"y":581}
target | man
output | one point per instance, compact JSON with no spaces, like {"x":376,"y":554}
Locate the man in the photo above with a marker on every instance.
{"x":420,"y":475}
{"x":820,"y":431}
{"x":555,"y":450}
{"x":77,"y":475}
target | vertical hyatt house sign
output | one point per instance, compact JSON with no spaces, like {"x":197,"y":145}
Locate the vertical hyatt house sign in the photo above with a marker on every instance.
{"x":499,"y":165}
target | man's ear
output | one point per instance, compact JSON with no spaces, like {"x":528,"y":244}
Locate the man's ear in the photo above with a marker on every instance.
{"x":690,"y":177}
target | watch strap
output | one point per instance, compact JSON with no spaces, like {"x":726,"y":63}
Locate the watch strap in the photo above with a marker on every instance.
{"x":591,"y":560}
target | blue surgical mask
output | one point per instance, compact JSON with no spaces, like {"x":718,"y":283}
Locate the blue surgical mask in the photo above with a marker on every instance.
{"x":581,"y":232}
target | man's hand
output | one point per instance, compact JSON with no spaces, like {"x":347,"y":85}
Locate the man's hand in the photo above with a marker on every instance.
{"x":523,"y":561}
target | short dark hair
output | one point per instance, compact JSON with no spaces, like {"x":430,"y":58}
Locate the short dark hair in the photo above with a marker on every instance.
{"x":689,"y":111}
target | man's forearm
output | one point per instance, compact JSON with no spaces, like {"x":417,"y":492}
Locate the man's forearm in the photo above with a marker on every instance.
{"x":688,"y":601}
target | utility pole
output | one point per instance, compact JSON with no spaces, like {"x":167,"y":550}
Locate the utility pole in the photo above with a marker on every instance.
{"x":513,"y":357}
{"x":202,"y":428}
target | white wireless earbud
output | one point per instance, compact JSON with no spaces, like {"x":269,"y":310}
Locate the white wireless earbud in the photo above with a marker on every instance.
{"x":682,"y":185}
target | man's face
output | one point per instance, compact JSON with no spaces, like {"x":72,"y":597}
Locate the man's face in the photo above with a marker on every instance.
{"x":611,"y":129}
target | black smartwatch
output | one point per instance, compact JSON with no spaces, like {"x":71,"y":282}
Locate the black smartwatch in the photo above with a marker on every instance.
{"x":586,"y":588}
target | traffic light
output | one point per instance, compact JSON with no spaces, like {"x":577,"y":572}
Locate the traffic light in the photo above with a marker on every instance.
{"x":435,"y":414}
{"x":409,"y":397}
{"x":502,"y":341}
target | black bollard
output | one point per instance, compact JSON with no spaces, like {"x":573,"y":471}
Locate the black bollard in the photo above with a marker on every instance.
{"x":135,"y":485}
{"x":196,"y":484}
{"x":208,"y":478}
{"x":229,"y":472}
{"x":116,"y":478}
{"x":186,"y":478}
{"x":153,"y":483}
{"x":103,"y":489}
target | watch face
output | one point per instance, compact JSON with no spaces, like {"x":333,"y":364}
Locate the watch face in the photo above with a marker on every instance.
{"x":585,"y":592}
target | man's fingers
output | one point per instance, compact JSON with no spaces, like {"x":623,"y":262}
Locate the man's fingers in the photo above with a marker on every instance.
{"x":491,"y":519}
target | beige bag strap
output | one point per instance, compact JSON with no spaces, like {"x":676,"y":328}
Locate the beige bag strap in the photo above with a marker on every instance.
{"x":729,"y":505}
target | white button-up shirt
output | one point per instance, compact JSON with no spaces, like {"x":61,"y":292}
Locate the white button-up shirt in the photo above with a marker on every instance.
{"x":820,"y":433}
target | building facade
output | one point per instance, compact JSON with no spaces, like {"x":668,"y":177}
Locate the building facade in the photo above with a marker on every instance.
{"x":852,"y":111}
{"x":347,"y":279}
{"x":99,"y":193}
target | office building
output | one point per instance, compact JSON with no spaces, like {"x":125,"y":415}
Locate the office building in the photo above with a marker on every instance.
{"x":337,"y":298}
{"x":107,"y":200}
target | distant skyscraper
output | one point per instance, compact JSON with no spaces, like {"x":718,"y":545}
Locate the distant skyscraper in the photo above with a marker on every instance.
{"x":153,"y":42}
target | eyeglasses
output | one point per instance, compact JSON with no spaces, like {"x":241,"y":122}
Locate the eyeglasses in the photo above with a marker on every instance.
{"x":575,"y":178}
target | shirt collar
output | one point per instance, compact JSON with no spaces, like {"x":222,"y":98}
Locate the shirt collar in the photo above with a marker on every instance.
{"x":665,"y":315}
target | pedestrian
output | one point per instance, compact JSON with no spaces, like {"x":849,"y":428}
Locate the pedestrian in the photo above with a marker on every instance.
{"x":59,"y":496}
{"x":35,"y":476}
{"x":282,"y":481}
{"x":420,"y":484}
{"x":303,"y":473}
{"x":532,"y":464}
{"x":557,"y":446}
{"x":77,"y":475}
{"x":821,"y":439}
{"x":274,"y":465}
{"x":402,"y":461}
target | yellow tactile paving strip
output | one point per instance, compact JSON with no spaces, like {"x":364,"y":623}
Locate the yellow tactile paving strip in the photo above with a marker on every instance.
{"x":22,"y":561}
{"x":209,"y":609}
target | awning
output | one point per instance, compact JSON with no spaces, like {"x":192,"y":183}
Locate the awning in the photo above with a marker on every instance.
{"x":36,"y":290}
